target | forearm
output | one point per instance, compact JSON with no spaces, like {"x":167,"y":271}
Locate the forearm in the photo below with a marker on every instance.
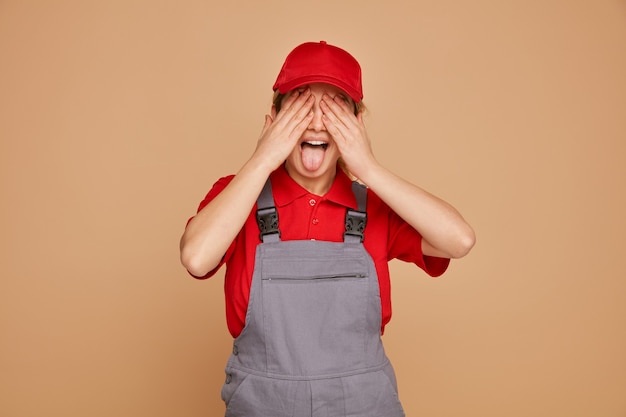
{"x":213,"y":229}
{"x":444,"y":231}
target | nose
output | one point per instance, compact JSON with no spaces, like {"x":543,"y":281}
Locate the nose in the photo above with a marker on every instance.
{"x":317,"y":124}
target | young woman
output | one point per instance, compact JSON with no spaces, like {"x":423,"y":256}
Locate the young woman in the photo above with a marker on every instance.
{"x":306,"y":250}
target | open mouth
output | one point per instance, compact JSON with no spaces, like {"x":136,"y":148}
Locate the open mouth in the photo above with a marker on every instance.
{"x":315,"y":144}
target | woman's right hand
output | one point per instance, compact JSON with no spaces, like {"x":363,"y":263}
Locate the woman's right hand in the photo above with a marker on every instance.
{"x":282,"y":130}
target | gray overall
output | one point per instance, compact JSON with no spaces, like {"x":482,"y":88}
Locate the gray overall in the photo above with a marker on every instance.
{"x":311,"y":343}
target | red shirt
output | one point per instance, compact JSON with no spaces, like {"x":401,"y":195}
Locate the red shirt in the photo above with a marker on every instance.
{"x":304,"y":216}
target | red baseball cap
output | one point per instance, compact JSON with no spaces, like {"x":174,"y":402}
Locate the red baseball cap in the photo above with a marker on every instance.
{"x":319,"y":62}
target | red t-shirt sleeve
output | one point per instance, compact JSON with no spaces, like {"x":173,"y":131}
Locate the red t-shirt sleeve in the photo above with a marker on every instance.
{"x":405,"y":244}
{"x":217,"y":188}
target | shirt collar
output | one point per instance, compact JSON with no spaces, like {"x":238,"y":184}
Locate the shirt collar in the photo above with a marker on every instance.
{"x":288,"y":190}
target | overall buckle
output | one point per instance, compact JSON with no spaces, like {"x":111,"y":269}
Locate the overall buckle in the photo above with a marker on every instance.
{"x":267,"y":219}
{"x":355,"y":224}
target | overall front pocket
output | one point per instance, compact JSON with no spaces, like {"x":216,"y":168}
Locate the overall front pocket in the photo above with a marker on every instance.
{"x":315,"y":324}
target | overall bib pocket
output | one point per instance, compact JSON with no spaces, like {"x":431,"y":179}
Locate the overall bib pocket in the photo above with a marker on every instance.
{"x":326,"y":332}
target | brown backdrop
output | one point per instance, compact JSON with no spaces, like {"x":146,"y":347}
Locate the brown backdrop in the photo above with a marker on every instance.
{"x":117,"y":116}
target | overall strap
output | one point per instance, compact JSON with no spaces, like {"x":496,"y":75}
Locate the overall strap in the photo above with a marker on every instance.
{"x":266,"y":215}
{"x":356,"y":219}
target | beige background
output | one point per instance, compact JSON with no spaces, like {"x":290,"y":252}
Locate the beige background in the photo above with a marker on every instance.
{"x":117,"y":116}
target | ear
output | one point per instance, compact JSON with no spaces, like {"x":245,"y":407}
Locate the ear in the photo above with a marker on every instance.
{"x":273,"y":112}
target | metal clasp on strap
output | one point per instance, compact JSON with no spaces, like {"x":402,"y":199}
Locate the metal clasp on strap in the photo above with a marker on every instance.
{"x":267,"y":219}
{"x":355,"y":225}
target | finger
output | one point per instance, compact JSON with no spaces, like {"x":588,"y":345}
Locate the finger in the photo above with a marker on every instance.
{"x":348,"y":105}
{"x":288,"y":99}
{"x":341,"y":111}
{"x":340,"y":104}
{"x":301,"y":126}
{"x":332,"y":129}
{"x":334,"y":119}
{"x":294,"y":100}
{"x":299,"y":111}
{"x":341,"y":122}
{"x":267,"y":124}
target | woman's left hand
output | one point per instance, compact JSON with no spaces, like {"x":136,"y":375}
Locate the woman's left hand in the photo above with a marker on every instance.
{"x":444,"y":231}
{"x":349,"y":133}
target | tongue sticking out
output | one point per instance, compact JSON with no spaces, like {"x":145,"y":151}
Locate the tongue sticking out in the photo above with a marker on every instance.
{"x":312,"y":156}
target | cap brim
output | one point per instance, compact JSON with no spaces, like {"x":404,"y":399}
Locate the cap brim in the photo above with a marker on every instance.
{"x":310,"y":79}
